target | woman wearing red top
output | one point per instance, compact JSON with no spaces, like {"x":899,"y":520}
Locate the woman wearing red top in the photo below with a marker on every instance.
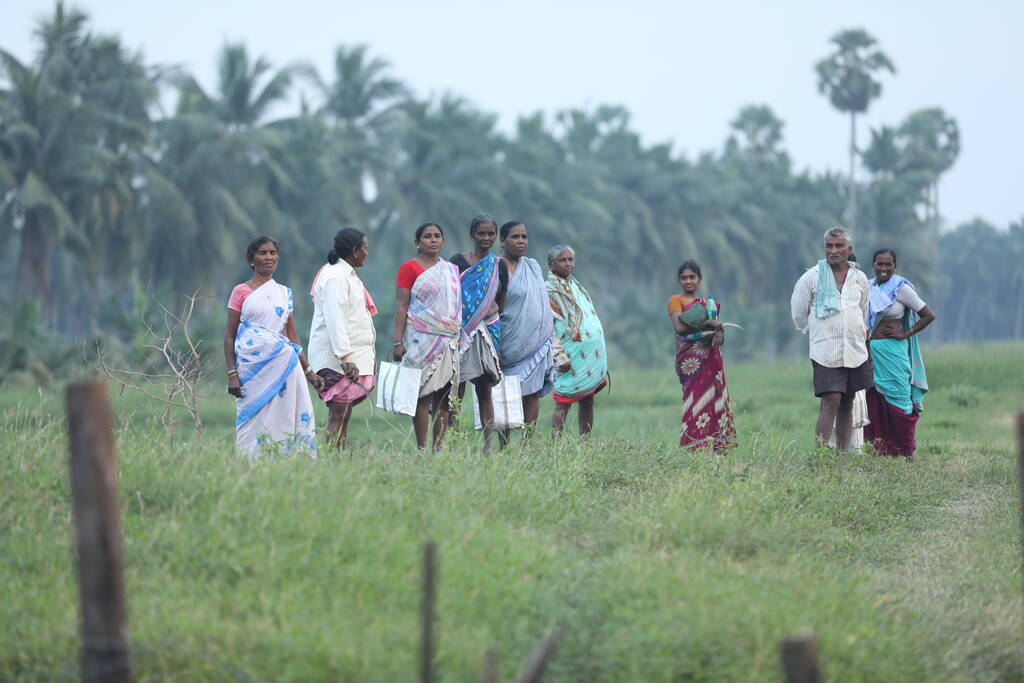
{"x":428,"y":322}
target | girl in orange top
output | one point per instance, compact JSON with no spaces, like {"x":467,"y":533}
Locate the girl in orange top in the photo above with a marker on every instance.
{"x":707,"y":416}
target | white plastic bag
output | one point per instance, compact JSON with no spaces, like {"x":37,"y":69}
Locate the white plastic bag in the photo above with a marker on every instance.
{"x":507,"y":397}
{"x":860,"y":419}
{"x":398,"y":388}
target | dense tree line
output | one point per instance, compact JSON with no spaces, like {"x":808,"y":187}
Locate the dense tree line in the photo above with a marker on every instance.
{"x":104,"y":195}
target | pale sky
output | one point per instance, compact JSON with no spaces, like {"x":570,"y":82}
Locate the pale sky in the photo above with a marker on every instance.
{"x":683,"y":69}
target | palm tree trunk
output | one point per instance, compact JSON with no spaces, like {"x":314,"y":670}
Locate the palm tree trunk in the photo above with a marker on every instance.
{"x":1018,"y":327}
{"x":851,"y":207}
{"x":961,"y":320}
{"x":35,"y":265}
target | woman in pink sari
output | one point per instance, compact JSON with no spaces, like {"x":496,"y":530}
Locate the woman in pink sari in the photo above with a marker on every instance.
{"x":707,"y":416}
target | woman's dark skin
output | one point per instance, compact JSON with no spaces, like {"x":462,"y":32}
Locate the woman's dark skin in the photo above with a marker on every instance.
{"x":892,"y":328}
{"x":483,"y":236}
{"x":429,"y":246}
{"x":339,"y":413}
{"x":263,"y":265}
{"x":690,"y":283}
{"x":513,"y":248}
{"x":563,"y":266}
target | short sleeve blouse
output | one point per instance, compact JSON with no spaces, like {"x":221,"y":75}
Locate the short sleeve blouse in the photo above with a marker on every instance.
{"x":905,"y":298}
{"x":908,"y":297}
{"x":676,"y":304}
{"x":238,"y":296}
{"x":408,"y":272}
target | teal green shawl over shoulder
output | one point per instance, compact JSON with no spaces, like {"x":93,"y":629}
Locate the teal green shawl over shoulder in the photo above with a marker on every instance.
{"x":581,"y":334}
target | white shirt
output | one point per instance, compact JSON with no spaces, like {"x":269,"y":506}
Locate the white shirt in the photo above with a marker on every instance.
{"x":342,"y":330}
{"x":839,"y":341}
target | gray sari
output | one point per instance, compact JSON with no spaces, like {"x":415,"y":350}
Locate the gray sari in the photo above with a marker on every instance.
{"x":526,"y":330}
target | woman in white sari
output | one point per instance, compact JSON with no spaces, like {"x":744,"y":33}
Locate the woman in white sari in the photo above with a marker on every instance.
{"x":265,"y":362}
{"x":428,"y":329}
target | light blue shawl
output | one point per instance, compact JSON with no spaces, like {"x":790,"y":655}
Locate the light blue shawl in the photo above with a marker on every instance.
{"x":826,"y":298}
{"x":880,"y":299}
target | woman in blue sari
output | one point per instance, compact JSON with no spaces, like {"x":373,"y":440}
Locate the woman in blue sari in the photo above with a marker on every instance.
{"x":484,"y":280}
{"x":895,"y":315}
{"x":265,"y":363}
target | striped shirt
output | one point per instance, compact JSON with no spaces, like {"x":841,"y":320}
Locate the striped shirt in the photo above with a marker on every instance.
{"x":839,"y":341}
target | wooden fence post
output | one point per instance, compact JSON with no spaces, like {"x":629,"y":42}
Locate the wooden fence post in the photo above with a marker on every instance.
{"x":800,"y":659}
{"x":97,"y":521}
{"x":427,"y":644}
{"x":491,"y":666}
{"x":533,"y":669}
{"x":1020,"y":470}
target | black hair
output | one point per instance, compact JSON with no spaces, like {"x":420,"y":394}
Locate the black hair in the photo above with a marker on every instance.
{"x":481,"y":219}
{"x":507,"y":228}
{"x":884,"y":250}
{"x":345,"y":244}
{"x":419,"y":230}
{"x":689,"y":265}
{"x":254,"y":246}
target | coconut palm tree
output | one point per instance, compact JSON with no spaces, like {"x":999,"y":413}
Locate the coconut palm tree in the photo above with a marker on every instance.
{"x":758,"y":132}
{"x":246,"y":89}
{"x":69,"y":127}
{"x":931,"y":145}
{"x":215,"y":174}
{"x":362,"y":103}
{"x":847,"y":76}
{"x":37,"y":135}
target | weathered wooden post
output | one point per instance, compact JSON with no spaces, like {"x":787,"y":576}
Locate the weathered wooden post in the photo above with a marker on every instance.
{"x":427,"y":613}
{"x":491,"y":666}
{"x":97,"y":521}
{"x":533,"y":669}
{"x":1020,"y":470}
{"x":800,"y":659}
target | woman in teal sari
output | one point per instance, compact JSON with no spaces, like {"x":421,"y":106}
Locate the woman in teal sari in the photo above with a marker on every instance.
{"x":582,"y":361}
{"x":895,"y":402}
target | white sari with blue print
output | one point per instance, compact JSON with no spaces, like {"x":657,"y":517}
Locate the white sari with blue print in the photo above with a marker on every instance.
{"x":275,"y":412}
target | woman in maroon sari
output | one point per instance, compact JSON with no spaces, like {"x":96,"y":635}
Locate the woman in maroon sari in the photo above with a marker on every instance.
{"x":707,"y":416}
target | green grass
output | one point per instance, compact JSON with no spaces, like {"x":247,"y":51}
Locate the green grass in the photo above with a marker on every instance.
{"x":662,"y":565}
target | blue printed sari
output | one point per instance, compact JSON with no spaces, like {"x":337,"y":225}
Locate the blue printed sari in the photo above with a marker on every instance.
{"x":275,"y":411}
{"x":480,"y":284}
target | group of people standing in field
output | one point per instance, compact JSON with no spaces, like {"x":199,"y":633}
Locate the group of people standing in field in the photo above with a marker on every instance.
{"x":479,"y":317}
{"x":475,"y":318}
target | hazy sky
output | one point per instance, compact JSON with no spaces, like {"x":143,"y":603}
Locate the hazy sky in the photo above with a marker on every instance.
{"x":682,"y":68}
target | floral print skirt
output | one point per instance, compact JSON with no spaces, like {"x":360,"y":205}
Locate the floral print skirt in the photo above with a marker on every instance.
{"x":707,"y":415}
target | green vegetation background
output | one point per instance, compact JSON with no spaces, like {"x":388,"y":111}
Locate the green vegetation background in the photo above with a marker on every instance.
{"x":121,"y":180}
{"x":663,"y":565}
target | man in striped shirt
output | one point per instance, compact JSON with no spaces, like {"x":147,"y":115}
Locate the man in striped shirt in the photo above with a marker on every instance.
{"x":830,"y":305}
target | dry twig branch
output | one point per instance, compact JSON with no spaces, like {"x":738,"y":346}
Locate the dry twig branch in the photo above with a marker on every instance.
{"x":179,"y":388}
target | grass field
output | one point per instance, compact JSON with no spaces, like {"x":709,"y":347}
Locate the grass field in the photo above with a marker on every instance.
{"x":662,"y":565}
